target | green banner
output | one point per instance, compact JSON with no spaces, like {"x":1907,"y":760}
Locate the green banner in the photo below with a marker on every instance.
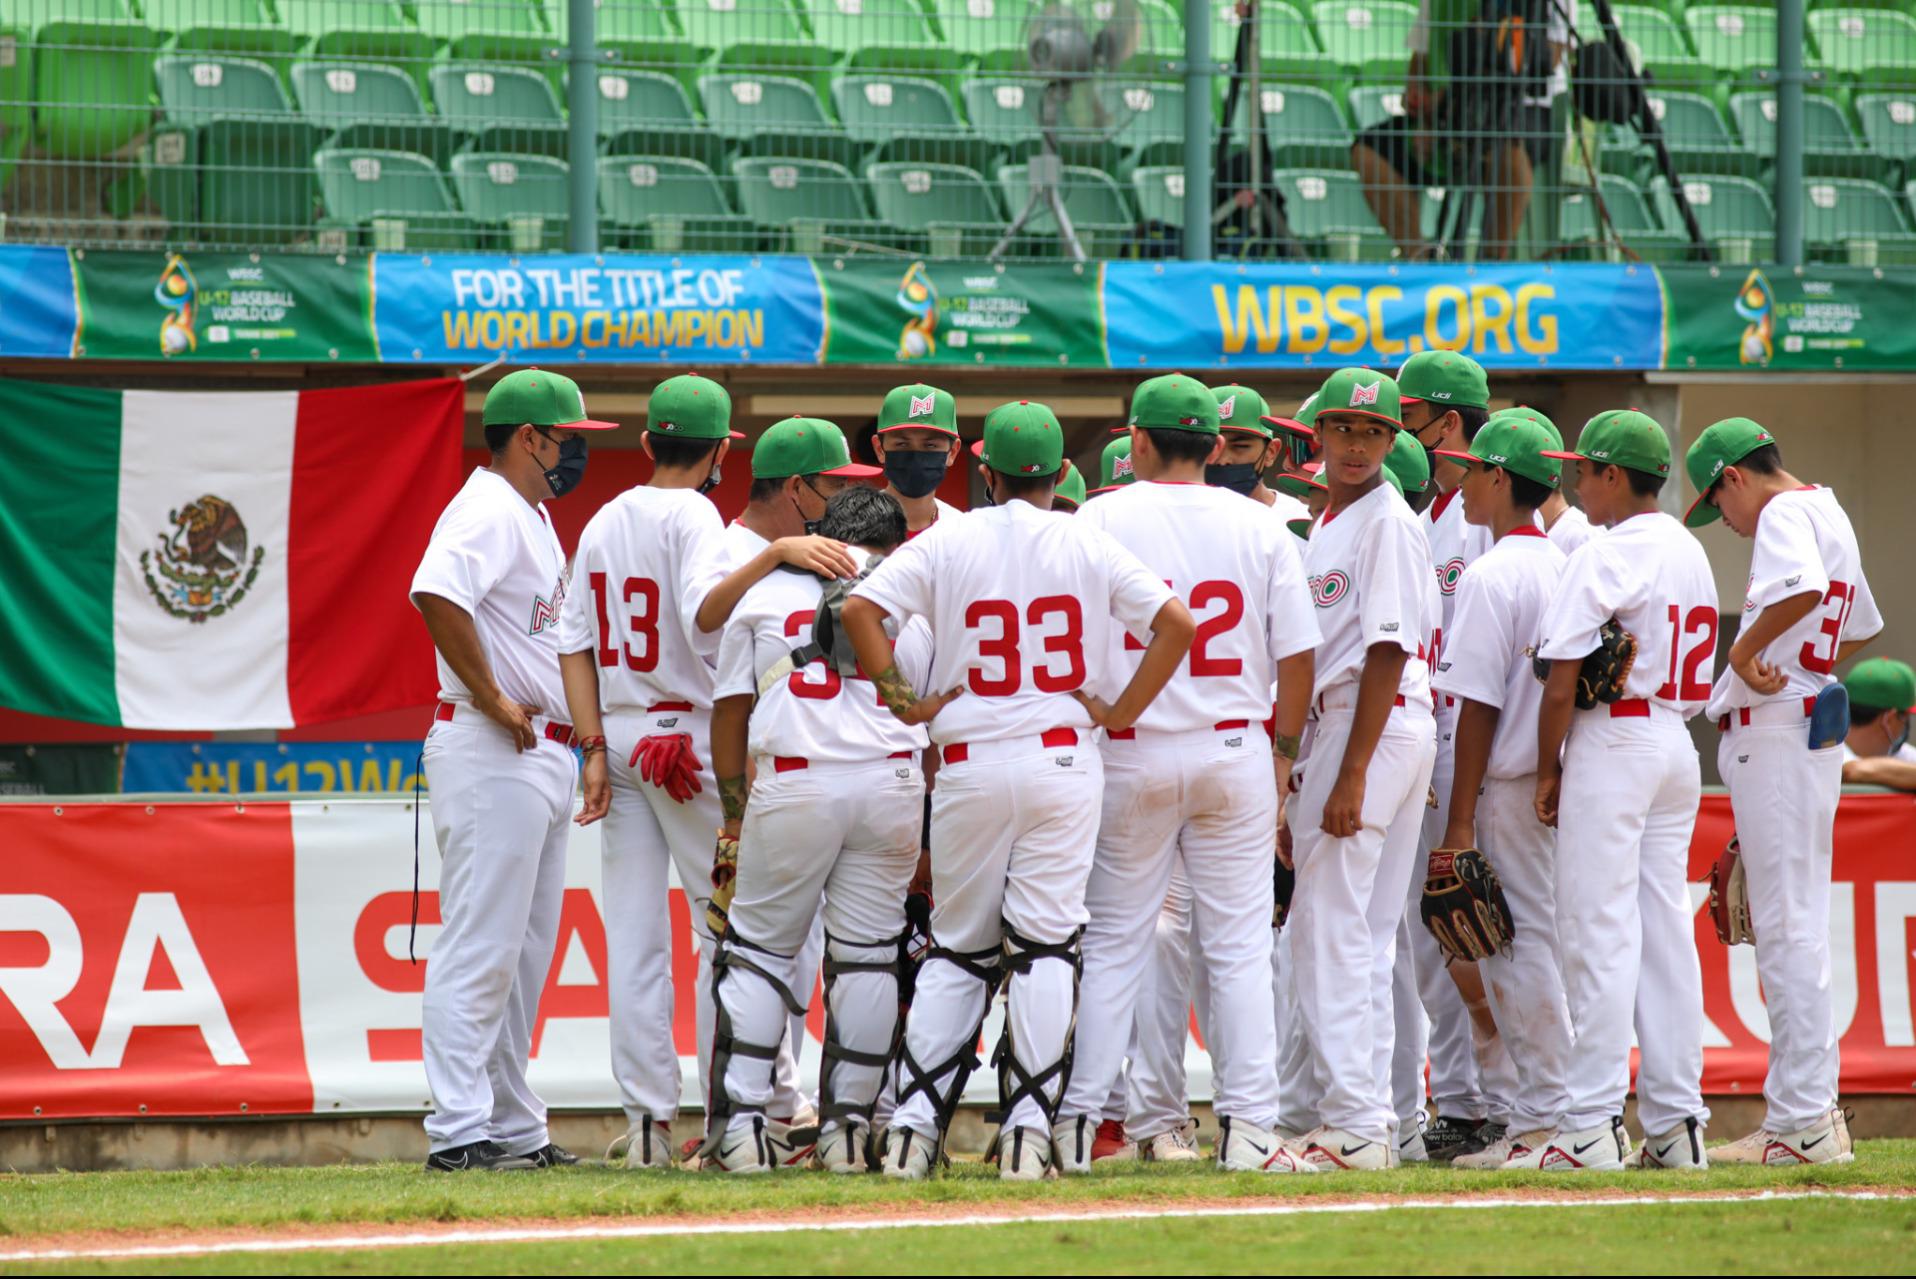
{"x":962,"y":313}
{"x":1767,"y":317}
{"x":223,"y":306}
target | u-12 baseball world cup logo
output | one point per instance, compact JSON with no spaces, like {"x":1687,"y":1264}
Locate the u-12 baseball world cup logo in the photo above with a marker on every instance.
{"x":919,"y":297}
{"x":1756,"y":304}
{"x":178,"y":292}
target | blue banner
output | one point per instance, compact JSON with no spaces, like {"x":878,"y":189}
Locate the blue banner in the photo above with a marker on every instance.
{"x":609,"y":309}
{"x":39,"y":313}
{"x":302,"y":768}
{"x":1526,"y":316}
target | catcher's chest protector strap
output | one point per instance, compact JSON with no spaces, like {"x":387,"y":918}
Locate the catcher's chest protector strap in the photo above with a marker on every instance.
{"x":1016,"y":1080}
{"x":829,"y":1105}
{"x":828,"y":639}
{"x":725,"y":1044}
{"x":913,"y":1076}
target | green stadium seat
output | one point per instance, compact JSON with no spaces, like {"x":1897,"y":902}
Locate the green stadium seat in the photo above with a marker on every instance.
{"x":92,"y":73}
{"x":391,"y":200}
{"x":217,"y":26}
{"x":1664,"y":50}
{"x":520,"y":200}
{"x":640,"y":32}
{"x":990,"y":34}
{"x":1004,"y":112}
{"x":1287,"y":46}
{"x":1305,"y":128}
{"x":771,"y":115}
{"x":1698,"y":139}
{"x":1889,"y":126}
{"x":368,"y":105}
{"x":16,"y":92}
{"x":1431,"y":213}
{"x":1830,"y":147}
{"x":232,"y":160}
{"x":1840,"y":212}
{"x":1375,"y":104}
{"x":895,"y":117}
{"x":669,"y":204}
{"x":1092,"y":200}
{"x":1146,"y":121}
{"x":1734,"y":39}
{"x":878,"y":34}
{"x":1324,"y":202}
{"x":376,"y":29}
{"x":763,"y":36}
{"x":475,"y":30}
{"x":1629,"y":214}
{"x":497,"y":106}
{"x":948,"y":206}
{"x":804,"y":205}
{"x":1873,"y":46}
{"x":1725,"y":207}
{"x":1160,"y":34}
{"x":1159,"y":191}
{"x":650,"y":113}
{"x":1370,"y":37}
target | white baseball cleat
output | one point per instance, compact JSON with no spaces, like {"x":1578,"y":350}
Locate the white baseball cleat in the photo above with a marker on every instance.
{"x":742,"y":1149}
{"x":908,"y":1154}
{"x":1599,"y":1149}
{"x":1242,"y":1146}
{"x":1073,"y":1139}
{"x":1411,"y":1149}
{"x":1681,"y":1147}
{"x":1826,"y":1142}
{"x":1339,"y":1150}
{"x":788,"y":1145}
{"x":646,"y":1144}
{"x":1501,"y":1151}
{"x":841,"y":1148}
{"x":1024,"y":1154}
{"x":1175,"y":1147}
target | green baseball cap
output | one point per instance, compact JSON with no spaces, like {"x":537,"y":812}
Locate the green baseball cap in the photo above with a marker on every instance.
{"x":1362,"y":391}
{"x":1301,"y":527}
{"x":1301,"y":484}
{"x":805,"y":446}
{"x":1529,"y":414}
{"x":538,"y":397}
{"x":1444,"y":378}
{"x":1114,"y":468}
{"x":1406,"y":465}
{"x":1722,"y":444}
{"x":1621,"y":437}
{"x":1516,"y":443}
{"x":918,"y":408}
{"x":690,"y":407}
{"x":1239,"y":408}
{"x":1174,"y":402}
{"x":1882,"y":683}
{"x":1023,"y":438}
{"x":1070,"y":488}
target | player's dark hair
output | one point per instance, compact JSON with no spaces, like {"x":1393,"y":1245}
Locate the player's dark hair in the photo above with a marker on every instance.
{"x":1527,"y":493}
{"x":675,"y":453}
{"x":1644,"y":484}
{"x":500,"y":434}
{"x":1861,"y":714}
{"x":766,"y":490}
{"x":1767,"y":460}
{"x":1025,"y":486}
{"x":1180,"y":446}
{"x":1418,"y":501}
{"x":1473,"y":419}
{"x":860,"y":515}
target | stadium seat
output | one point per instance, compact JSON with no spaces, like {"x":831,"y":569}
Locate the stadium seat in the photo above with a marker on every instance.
{"x":1146,"y":121}
{"x":1159,"y":191}
{"x":1874,"y":46}
{"x":1838,"y":213}
{"x":771,"y":115}
{"x":1305,"y":128}
{"x":1698,"y":139}
{"x":376,"y":29}
{"x":640,"y":32}
{"x":1092,"y":200}
{"x":385,"y":199}
{"x":1830,"y":147}
{"x":1660,"y":42}
{"x":1734,"y":39}
{"x":1369,"y":37}
{"x":1629,"y":214}
{"x":1286,"y":44}
{"x":231,"y":160}
{"x":1889,"y":126}
{"x":497,"y":106}
{"x":948,"y":207}
{"x":803,"y":205}
{"x":650,"y":113}
{"x":1725,"y":207}
{"x":216,"y":26}
{"x":763,"y":36}
{"x":878,"y":34}
{"x":1375,"y":104}
{"x":16,"y":91}
{"x":669,"y":204}
{"x":92,"y":73}
{"x":368,"y":105}
{"x":906,"y":118}
{"x":1324,"y":202}
{"x":520,"y":200}
{"x":480,"y":30}
{"x":990,"y":34}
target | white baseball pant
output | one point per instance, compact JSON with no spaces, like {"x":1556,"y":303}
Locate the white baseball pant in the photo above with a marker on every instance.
{"x":1784,"y":797}
{"x":1157,"y":1097}
{"x":1013,"y":825}
{"x":1624,"y":923}
{"x":1299,"y":1099}
{"x":501,"y":818}
{"x":1349,"y":907}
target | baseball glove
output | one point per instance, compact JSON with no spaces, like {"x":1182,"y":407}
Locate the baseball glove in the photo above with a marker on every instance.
{"x":1730,"y":898}
{"x":1605,"y":669}
{"x":1284,"y":882}
{"x":1464,"y":906}
{"x":668,"y":763}
{"x":724,"y":884}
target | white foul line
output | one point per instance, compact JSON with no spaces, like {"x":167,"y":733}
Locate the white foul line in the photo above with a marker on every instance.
{"x":549,"y":1234}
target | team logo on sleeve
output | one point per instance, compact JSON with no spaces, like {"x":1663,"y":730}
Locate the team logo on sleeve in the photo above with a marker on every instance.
{"x":1364,"y":394}
{"x":1330,"y":588}
{"x":545,"y":613}
{"x":1447,"y":576}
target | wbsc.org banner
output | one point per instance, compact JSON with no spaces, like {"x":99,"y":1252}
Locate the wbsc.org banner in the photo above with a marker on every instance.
{"x":1272,"y":316}
{"x":564,"y":309}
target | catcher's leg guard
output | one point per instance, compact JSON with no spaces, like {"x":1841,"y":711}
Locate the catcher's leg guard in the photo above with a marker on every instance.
{"x":734,"y":952}
{"x":1019,"y":1079}
{"x":873,"y":1013}
{"x":914,"y":1076}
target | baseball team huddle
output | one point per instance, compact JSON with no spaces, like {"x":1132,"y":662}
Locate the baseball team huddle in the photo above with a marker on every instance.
{"x":1382,"y":766}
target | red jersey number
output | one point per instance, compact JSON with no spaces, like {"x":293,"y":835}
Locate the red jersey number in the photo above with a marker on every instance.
{"x":640,"y":597}
{"x":1837,"y":602}
{"x":998,"y":644}
{"x":1695,"y":684}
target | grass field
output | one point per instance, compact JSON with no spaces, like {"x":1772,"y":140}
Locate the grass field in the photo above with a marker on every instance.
{"x":1152,"y":1219}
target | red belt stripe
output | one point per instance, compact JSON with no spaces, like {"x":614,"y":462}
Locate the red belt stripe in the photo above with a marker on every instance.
{"x":560,"y":733}
{"x":959,"y":752}
{"x":791,"y":763}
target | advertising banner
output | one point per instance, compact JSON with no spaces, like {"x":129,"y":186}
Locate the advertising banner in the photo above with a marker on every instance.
{"x":613,"y":309}
{"x":971,"y":313}
{"x":1524,"y":316}
{"x":39,"y":310}
{"x":1823,"y":318}
{"x":241,"y":768}
{"x":221,"y":959}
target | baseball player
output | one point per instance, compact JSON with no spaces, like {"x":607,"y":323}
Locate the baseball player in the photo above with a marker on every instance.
{"x":1567,"y":526}
{"x":1808,"y":609}
{"x":498,"y":760}
{"x":1070,"y":493}
{"x":916,"y":443}
{"x":1485,"y":673}
{"x":1114,"y":466}
{"x":637,"y":638}
{"x":1357,"y":815}
{"x":1251,"y":448}
{"x":1882,"y":698}
{"x":1623,"y":796}
{"x":834,"y":813}
{"x":1194,"y":780}
{"x":1020,"y":607}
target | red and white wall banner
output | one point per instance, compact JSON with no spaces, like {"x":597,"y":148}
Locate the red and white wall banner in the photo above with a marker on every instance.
{"x":225,"y":959}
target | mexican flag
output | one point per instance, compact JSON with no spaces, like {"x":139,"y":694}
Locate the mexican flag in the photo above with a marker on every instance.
{"x":218,"y":559}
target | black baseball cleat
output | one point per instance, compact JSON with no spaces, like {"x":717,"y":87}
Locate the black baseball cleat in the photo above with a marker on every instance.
{"x":481,"y":1156}
{"x":551,"y":1155}
{"x":1448,"y":1137}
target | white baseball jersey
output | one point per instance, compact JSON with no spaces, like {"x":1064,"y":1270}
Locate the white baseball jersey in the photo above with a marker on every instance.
{"x":943,"y":510}
{"x":1284,"y":508}
{"x":1572,"y":529}
{"x":1368,"y":567}
{"x":813,"y":713}
{"x":1804,"y":544}
{"x":495,"y":555}
{"x":1019,"y":605}
{"x":1904,"y":754}
{"x":741,"y":544}
{"x":645,"y":563}
{"x":1500,"y":602}
{"x":1454,"y":544}
{"x":1650,"y":573}
{"x":1238,"y":571}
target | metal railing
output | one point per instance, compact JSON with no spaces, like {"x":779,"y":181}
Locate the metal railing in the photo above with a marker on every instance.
{"x":1324,"y":129}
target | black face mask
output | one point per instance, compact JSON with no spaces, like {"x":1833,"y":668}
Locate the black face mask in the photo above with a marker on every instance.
{"x":711,"y":481}
{"x":916,"y":474}
{"x":811,"y":526}
{"x":1239,"y":477}
{"x":565,"y":474}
